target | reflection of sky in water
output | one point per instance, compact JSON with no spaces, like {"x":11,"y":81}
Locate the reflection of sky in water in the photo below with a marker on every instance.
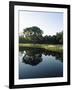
{"x":49,"y":67}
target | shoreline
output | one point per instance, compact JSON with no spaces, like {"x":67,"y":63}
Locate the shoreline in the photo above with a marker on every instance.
{"x":54,"y":48}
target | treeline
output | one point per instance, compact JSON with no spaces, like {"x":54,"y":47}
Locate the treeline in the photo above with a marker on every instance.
{"x":32,"y":35}
{"x":55,"y":39}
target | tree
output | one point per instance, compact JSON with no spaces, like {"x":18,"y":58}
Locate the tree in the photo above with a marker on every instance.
{"x":59,"y":37}
{"x":33,"y":33}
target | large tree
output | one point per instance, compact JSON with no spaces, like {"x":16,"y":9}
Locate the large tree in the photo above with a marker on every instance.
{"x":33,"y":33}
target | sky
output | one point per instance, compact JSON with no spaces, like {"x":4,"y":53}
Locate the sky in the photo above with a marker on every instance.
{"x":49,"y":22}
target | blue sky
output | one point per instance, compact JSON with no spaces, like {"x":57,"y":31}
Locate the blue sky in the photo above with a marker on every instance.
{"x":49,"y":22}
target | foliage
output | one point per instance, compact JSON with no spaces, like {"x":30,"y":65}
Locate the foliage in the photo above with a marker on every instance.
{"x":53,"y":48}
{"x":34,"y":35}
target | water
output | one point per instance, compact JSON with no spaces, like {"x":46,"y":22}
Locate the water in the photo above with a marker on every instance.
{"x":39,"y":63}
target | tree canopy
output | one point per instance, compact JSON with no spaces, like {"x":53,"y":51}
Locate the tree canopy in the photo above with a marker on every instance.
{"x":32,"y":31}
{"x":35,"y":35}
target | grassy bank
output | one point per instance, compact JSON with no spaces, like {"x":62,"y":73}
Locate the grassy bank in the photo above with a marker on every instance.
{"x":53,"y":48}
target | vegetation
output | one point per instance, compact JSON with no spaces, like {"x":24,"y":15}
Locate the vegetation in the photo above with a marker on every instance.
{"x":33,"y":34}
{"x":55,"y":48}
{"x":32,"y":37}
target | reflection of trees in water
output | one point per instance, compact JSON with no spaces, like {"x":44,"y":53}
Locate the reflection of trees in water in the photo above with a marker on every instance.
{"x":58,"y":56}
{"x":32,"y":60}
{"x":33,"y":56}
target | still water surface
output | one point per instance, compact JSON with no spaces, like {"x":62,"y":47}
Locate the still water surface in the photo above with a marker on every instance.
{"x":39,"y":63}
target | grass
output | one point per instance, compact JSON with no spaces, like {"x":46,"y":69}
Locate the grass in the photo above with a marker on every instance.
{"x":53,"y":48}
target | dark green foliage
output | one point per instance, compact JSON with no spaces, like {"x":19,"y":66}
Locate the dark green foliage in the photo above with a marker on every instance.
{"x":55,"y":39}
{"x":34,"y":35}
{"x":59,"y":37}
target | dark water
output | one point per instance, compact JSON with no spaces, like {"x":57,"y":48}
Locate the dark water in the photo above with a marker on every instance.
{"x":39,"y":63}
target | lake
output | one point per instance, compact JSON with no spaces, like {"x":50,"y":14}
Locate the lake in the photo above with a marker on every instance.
{"x":39,"y":63}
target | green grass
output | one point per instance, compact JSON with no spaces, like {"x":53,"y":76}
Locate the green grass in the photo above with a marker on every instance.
{"x":53,"y":48}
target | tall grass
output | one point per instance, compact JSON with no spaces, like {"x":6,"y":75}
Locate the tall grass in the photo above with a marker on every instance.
{"x":53,"y":48}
